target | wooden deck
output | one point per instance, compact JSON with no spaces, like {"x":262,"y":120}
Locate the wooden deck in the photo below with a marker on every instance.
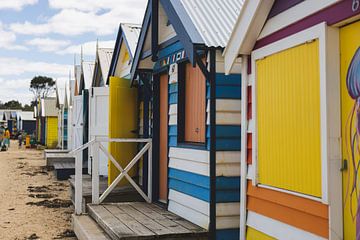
{"x":139,"y":220}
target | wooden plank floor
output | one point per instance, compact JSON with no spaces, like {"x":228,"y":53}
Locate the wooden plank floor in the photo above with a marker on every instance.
{"x":139,"y":220}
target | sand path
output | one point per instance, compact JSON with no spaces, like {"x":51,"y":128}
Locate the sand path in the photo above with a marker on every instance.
{"x":21,"y":171}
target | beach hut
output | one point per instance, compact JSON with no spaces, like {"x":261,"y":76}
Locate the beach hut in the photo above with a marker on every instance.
{"x":28,"y":122}
{"x":49,"y":129}
{"x":77,"y":111}
{"x":60,"y":102}
{"x":123,"y":100}
{"x":301,"y":68}
{"x":99,"y":104}
{"x":196,"y":110}
{"x":70,"y":101}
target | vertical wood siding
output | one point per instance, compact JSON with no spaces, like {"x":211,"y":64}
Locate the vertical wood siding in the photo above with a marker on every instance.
{"x":288,"y":121}
{"x":163,"y":161}
{"x":349,"y":43}
{"x":195,"y":90}
{"x":51,"y":132}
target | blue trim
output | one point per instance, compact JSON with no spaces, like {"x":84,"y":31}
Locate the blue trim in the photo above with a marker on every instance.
{"x":115,"y":56}
{"x":183,"y":26}
{"x":227,"y":234}
{"x":175,"y":47}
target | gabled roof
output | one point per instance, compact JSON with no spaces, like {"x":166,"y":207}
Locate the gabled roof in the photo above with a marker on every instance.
{"x":105,"y":56}
{"x":246,"y":30}
{"x":88,"y":73}
{"x":129,"y":34}
{"x":102,"y":64}
{"x":197,"y":23}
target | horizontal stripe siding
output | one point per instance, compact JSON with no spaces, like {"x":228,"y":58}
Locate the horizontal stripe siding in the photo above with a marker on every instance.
{"x":253,"y":234}
{"x":305,"y":214}
{"x":222,"y":209}
{"x":173,"y":93}
{"x":263,"y":227}
{"x":198,"y":186}
{"x":189,"y":182}
{"x":228,"y":234}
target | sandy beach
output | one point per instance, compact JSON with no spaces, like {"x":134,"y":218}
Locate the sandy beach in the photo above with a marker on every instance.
{"x":33,"y":204}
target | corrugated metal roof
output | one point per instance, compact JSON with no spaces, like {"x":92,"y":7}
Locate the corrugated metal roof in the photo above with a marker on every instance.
{"x":88,"y":71}
{"x":132,"y":33}
{"x":27,"y":116}
{"x":105,"y":55}
{"x":213,"y":19}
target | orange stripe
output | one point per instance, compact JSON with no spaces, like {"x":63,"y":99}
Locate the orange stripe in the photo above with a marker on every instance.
{"x":299,"y":212}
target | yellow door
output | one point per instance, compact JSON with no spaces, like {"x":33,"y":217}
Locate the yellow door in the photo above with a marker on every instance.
{"x":122,"y":124}
{"x":288,"y":119}
{"x":349,"y":44}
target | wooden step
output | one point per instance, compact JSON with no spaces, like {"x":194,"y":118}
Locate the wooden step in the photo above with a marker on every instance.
{"x":86,"y":228}
{"x":139,"y":220}
{"x":63,"y":170}
{"x":52,"y":158}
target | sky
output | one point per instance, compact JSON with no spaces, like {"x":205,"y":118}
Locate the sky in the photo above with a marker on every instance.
{"x":45,"y":37}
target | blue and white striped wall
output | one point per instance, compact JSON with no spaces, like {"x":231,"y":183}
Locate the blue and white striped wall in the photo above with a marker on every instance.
{"x":189,"y":171}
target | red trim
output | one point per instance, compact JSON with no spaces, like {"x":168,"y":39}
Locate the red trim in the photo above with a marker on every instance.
{"x":331,"y":15}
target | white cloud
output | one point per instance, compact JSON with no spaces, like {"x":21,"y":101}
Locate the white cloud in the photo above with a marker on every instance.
{"x":16,"y":4}
{"x":18,"y":89}
{"x":8,"y":40}
{"x":96,"y":5}
{"x":101,"y":17}
{"x":89,"y":48}
{"x":17,"y":67}
{"x":48,"y":44}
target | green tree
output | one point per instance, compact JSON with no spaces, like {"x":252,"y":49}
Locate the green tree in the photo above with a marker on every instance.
{"x":42,"y":86}
{"x":28,"y":107}
{"x":13,"y":104}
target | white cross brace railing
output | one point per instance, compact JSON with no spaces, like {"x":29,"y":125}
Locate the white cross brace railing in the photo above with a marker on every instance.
{"x":95,"y":145}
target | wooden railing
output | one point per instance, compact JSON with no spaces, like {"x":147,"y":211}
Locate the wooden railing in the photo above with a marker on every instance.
{"x":96,"y":146}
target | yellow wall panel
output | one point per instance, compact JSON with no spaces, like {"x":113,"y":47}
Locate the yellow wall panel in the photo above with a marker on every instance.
{"x":349,"y":43}
{"x":51,"y":132}
{"x":253,"y":234}
{"x":123,"y":119}
{"x":288,"y":119}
